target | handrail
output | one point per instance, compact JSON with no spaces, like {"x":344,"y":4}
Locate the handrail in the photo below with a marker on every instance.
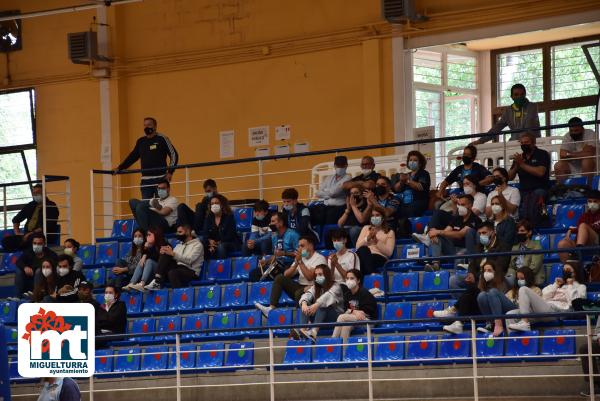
{"x":339,"y":150}
{"x":49,"y":178}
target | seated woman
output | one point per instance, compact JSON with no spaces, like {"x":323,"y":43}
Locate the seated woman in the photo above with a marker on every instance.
{"x":45,"y":289}
{"x":71,"y":247}
{"x":534,"y":262}
{"x":323,"y":302}
{"x":556,"y":297}
{"x":126,"y":267}
{"x":221,"y":237}
{"x":524,"y":278}
{"x":357,"y":212}
{"x":359,"y":303}
{"x":491,"y":300}
{"x":506,"y":228}
{"x":112,"y":315}
{"x":375,"y":243}
{"x":414,"y":187}
{"x":342,"y":260}
{"x":146,"y":267}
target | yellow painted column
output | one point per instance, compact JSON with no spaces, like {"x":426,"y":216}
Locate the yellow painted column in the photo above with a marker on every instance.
{"x":372,"y":92}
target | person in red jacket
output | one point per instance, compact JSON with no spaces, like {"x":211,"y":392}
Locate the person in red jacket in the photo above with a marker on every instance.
{"x":587,"y":229}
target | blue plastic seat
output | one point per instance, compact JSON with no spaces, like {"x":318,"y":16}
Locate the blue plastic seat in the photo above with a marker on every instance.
{"x":543,"y":239}
{"x":243,"y":266}
{"x":96,"y":276}
{"x":455,"y":346}
{"x":123,"y":229}
{"x":87,"y":253}
{"x":328,"y":350}
{"x":280,"y":317}
{"x":104,"y":360}
{"x":567,"y":215}
{"x":424,"y":347}
{"x":397,"y":311}
{"x":325,"y":234}
{"x":187,"y":357}
{"x":558,"y":343}
{"x":10,"y":334}
{"x":243,"y":218}
{"x":210,"y":355}
{"x":488,"y":346}
{"x":356,"y":349}
{"x":195,"y":322}
{"x":168,"y":324}
{"x":418,"y":224}
{"x":234,"y":295}
{"x":10,"y":261}
{"x":155,"y":358}
{"x":297,"y":352}
{"x":435,"y":281}
{"x":405,"y":282}
{"x":133,"y":301}
{"x":412,"y":251}
{"x":209,"y":297}
{"x":8,"y":312}
{"x":156,"y":301}
{"x":247,"y":320}
{"x":182,"y":299}
{"x":556,"y":270}
{"x":219,"y":270}
{"x":145,"y":325}
{"x":576,"y":181}
{"x":522,"y":346}
{"x":106,"y":253}
{"x":127,"y":360}
{"x":596,"y":182}
{"x":373,"y":281}
{"x":222,"y":320}
{"x":124,"y":249}
{"x":260,"y":292}
{"x":389,"y":348}
{"x":424,"y":310}
{"x":240,"y":354}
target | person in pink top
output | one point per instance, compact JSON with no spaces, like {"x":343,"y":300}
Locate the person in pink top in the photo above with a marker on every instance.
{"x":375,"y":243}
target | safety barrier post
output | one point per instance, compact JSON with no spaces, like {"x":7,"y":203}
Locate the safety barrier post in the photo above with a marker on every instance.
{"x":91,"y":385}
{"x":178,"y":365}
{"x":92,"y":208}
{"x":68,"y":202}
{"x":474,"y":359}
{"x":369,"y":362}
{"x":588,"y":329}
{"x":187,"y":185}
{"x":4,"y":208}
{"x":271,"y":366}
{"x":44,"y":228}
{"x":260,"y":180}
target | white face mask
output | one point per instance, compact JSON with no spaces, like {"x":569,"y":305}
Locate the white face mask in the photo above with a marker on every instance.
{"x":469,"y":190}
{"x":109,"y":298}
{"x":63,"y":271}
{"x":37,"y":198}
{"x":593,"y":207}
{"x":496,"y":209}
{"x":462,"y":211}
{"x":69,"y":251}
{"x":215,"y":208}
{"x":138,"y":241}
{"x":340,"y":171}
{"x":46,"y":272}
{"x":488,"y":276}
{"x":366,"y":171}
{"x":350,"y":283}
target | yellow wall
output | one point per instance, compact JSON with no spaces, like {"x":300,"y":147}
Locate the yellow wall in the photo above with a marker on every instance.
{"x":202,"y":66}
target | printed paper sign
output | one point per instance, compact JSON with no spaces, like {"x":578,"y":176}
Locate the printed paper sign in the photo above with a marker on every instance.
{"x":262,"y":152}
{"x":283,"y":133}
{"x":428,"y":149}
{"x":301,"y":147}
{"x":412,"y":253}
{"x":56,"y":340}
{"x":258,"y":136}
{"x":227,"y":144}
{"x":282,"y":150}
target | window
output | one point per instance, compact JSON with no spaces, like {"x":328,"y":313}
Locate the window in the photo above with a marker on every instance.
{"x":18,"y":158}
{"x":445,"y":93}
{"x":520,"y":67}
{"x":572,"y":76}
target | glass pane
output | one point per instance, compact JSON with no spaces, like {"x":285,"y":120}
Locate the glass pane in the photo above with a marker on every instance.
{"x":459,"y":112}
{"x":427,"y":67}
{"x":31,"y":157}
{"x":520,"y":67}
{"x":12,"y":170}
{"x":15,"y":119}
{"x":427,"y":113}
{"x":563,"y":116}
{"x":572,"y":76}
{"x":462,"y":71}
{"x":6,"y":223}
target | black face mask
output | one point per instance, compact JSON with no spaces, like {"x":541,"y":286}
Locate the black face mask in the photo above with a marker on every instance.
{"x":567,"y":275}
{"x":467,"y":160}
{"x":498,"y":180}
{"x":526,"y":148}
{"x":181,"y":237}
{"x":273,"y":227}
{"x":577,"y":137}
{"x":380,"y":190}
{"x":149,"y":131}
{"x":521,"y":237}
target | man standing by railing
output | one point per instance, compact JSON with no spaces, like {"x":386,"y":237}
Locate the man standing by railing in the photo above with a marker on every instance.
{"x":152,"y":150}
{"x":521,"y":114}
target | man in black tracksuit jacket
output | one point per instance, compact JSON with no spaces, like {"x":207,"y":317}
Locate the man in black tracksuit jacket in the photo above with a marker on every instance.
{"x":152,"y":150}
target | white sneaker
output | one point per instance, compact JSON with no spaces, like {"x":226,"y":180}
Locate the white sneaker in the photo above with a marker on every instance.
{"x":454,"y":328}
{"x":448,"y":312}
{"x":152,"y":286}
{"x":138,"y":287}
{"x":520,"y":326}
{"x":463,"y":266}
{"x":309,"y":334}
{"x":263,"y":309}
{"x":422,"y":238}
{"x":432,"y":267}
{"x":126,"y":287}
{"x":486,"y":329}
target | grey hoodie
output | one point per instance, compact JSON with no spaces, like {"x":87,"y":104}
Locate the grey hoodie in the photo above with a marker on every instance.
{"x":515,"y":119}
{"x":332,"y":297}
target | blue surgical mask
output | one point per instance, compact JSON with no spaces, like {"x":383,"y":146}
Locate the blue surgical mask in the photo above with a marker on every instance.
{"x":209,"y":195}
{"x":484,"y":239}
{"x":376,"y":220}
{"x":259,"y":217}
{"x":413,"y":165}
{"x":37,"y":248}
{"x":521,"y":283}
{"x":288,"y":208}
{"x":162,"y":193}
{"x":305,"y":253}
{"x":320,"y":280}
{"x":338,"y":245}
{"x":138,"y":241}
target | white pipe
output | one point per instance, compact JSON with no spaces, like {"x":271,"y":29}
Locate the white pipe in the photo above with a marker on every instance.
{"x":83,"y":7}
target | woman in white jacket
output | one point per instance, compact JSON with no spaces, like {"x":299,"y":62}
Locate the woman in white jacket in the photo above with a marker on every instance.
{"x":322,"y":303}
{"x":556,"y":297}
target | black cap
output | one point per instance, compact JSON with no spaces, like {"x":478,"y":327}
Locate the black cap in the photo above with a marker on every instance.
{"x":340,"y":161}
{"x":593,"y":194}
{"x":86,"y":284}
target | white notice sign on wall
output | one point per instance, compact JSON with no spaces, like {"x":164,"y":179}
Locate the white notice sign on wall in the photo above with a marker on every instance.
{"x":227,"y":144}
{"x":258,"y":136}
{"x":283,"y":133}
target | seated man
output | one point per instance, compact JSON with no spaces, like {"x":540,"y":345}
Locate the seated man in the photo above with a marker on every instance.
{"x":67,"y":280}
{"x":29,"y":265}
{"x":368,"y":175}
{"x":331,"y":192}
{"x":533,"y":168}
{"x":296,"y":213}
{"x":460,"y":233}
{"x":587,"y":229}
{"x":33,"y":216}
{"x":382,"y":196}
{"x":306,"y":260}
{"x":469,"y":167}
{"x":259,"y":241}
{"x":195,"y":219}
{"x":489,"y":243}
{"x":182,"y":264}
{"x":577,"y":152}
{"x":511,"y":195}
{"x":159,"y":212}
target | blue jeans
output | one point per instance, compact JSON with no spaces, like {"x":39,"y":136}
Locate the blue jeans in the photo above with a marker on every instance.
{"x":323,"y":315}
{"x":222,"y":251}
{"x":147,"y":218}
{"x":144,"y":272}
{"x":493,"y":302}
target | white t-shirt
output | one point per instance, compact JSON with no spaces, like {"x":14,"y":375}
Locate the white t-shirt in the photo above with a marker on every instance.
{"x":479,"y":204}
{"x":511,"y":194}
{"x":171,"y":202}
{"x":315,"y":260}
{"x":568,"y":144}
{"x":348,"y":261}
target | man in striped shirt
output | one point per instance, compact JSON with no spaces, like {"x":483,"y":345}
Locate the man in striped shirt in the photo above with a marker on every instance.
{"x":152,"y":150}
